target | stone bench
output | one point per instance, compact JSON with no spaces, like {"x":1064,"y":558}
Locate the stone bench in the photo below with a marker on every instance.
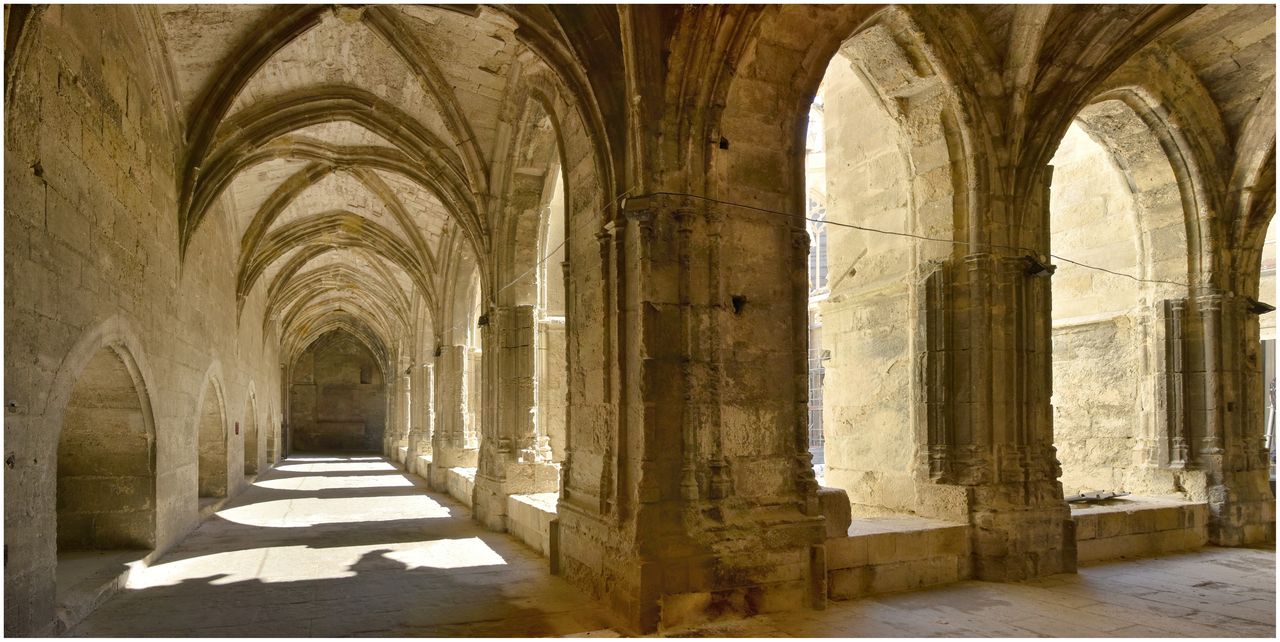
{"x":86,"y":579}
{"x":420,"y":465}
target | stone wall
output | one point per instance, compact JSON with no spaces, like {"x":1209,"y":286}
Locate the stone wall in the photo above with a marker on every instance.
{"x":552,"y":391}
{"x":1267,"y":287}
{"x":1098,"y":337}
{"x":91,"y":260}
{"x":884,"y":556}
{"x":867,"y":405}
{"x":337,"y":398}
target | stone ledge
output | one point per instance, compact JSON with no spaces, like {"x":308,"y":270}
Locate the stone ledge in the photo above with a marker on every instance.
{"x":86,"y":579}
{"x":888,"y":554}
{"x":1139,"y":527}
{"x":834,"y":503}
{"x":461,"y":483}
{"x":420,"y":465}
{"x":529,"y":519}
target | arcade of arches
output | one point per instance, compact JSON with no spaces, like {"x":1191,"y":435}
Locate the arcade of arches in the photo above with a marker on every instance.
{"x":723,"y":310}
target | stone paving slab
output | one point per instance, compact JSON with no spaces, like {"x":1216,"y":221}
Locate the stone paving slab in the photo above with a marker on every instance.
{"x":1213,"y":592}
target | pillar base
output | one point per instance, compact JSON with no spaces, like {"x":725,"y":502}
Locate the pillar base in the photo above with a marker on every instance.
{"x":1013,"y":542}
{"x":490,"y":507}
{"x":1244,"y":514}
{"x":443,"y":459}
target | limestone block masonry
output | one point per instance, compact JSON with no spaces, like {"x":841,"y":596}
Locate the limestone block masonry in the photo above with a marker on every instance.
{"x":1139,"y":529}
{"x":91,"y":150}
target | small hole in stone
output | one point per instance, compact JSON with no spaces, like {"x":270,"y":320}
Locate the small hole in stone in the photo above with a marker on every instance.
{"x":724,"y":143}
{"x":739,"y":302}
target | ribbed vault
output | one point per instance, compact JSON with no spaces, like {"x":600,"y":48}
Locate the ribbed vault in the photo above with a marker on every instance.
{"x":352,"y":150}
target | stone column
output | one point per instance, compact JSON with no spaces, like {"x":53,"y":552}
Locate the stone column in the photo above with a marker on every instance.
{"x":509,"y":461}
{"x":448,"y":443}
{"x":392,"y":427}
{"x":551,"y":391}
{"x":423,"y":388}
{"x":701,"y":497}
{"x":989,"y":379}
{"x":1215,"y":441}
{"x":404,"y":411}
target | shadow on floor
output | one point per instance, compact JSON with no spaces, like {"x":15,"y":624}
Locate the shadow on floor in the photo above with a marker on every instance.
{"x":392,"y":560}
{"x":382,"y":597}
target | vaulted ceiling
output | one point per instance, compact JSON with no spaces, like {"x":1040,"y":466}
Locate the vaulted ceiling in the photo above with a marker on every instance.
{"x":349,"y":150}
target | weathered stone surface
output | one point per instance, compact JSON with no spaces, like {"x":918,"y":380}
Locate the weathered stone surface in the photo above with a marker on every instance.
{"x":836,"y":510}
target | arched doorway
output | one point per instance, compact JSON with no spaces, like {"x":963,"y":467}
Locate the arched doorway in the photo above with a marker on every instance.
{"x":879,"y":189}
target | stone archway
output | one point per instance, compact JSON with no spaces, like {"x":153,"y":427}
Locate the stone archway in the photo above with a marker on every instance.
{"x":106,"y":470}
{"x":251,"y":439}
{"x":212,"y":444}
{"x":1114,"y":205}
{"x":884,"y":203}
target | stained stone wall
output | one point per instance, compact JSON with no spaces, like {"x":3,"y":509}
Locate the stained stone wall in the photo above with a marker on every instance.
{"x":337,"y":397}
{"x":91,"y":260}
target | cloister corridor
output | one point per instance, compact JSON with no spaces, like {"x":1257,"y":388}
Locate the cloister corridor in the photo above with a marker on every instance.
{"x":516,"y":320}
{"x":331,"y":546}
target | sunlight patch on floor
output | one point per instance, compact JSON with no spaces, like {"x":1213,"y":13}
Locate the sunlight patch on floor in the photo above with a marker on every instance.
{"x":311,"y":511}
{"x":331,"y":466}
{"x":327,"y":483}
{"x":448,"y":553}
{"x":304,"y":563}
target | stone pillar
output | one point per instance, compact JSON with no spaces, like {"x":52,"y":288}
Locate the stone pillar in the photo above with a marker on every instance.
{"x":393,"y":428}
{"x":989,"y":428}
{"x":404,"y":411}
{"x":422,"y":420}
{"x":551,"y":389}
{"x":1214,"y":445}
{"x":700,"y":501}
{"x":509,"y":461}
{"x":448,"y":443}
